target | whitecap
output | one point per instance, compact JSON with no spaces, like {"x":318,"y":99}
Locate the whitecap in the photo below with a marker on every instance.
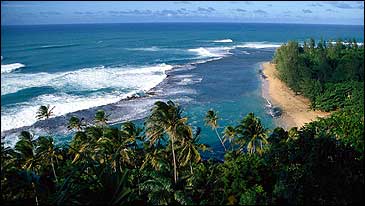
{"x":56,"y":46}
{"x":124,"y":81}
{"x":258,"y":45}
{"x":7,"y":68}
{"x":204,"y":52}
{"x":24,"y":114}
{"x":187,"y":81}
{"x":223,"y":41}
{"x":206,"y":60}
{"x":88,"y":79}
{"x":347,"y":43}
{"x":153,"y":48}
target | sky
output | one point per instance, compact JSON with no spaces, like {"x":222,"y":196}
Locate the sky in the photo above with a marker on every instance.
{"x":77,"y":12}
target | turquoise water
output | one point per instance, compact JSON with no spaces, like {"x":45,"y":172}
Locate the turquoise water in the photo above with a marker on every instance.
{"x":82,"y":68}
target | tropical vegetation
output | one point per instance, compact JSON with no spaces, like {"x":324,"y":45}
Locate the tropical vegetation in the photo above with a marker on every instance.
{"x":161,"y":162}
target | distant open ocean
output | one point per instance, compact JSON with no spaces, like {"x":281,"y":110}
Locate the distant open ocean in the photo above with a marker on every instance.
{"x":82,"y":68}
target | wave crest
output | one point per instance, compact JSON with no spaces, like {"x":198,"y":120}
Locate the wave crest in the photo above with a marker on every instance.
{"x":7,"y":68}
{"x":56,"y":46}
{"x":223,"y":41}
{"x":153,"y":48}
{"x":204,"y":52}
{"x":258,"y":45}
{"x":93,"y":82}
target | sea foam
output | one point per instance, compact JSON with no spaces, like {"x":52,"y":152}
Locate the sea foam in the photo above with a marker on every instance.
{"x":153,"y":48}
{"x":56,"y":46}
{"x":223,"y":41}
{"x":258,"y":45}
{"x":7,"y":68}
{"x":123,"y":81}
{"x":204,"y":52}
{"x":88,"y":79}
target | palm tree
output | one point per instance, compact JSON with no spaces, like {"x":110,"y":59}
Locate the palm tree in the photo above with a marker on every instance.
{"x":25,"y":147}
{"x":189,"y":150}
{"x":75,"y":123}
{"x":166,"y":118}
{"x":155,"y":158}
{"x":44,"y":112}
{"x":130,"y":133}
{"x":101,"y":117}
{"x":8,"y":157}
{"x":229,"y":135}
{"x":293,"y":134}
{"x":108,"y":148}
{"x":47,"y":152}
{"x":252,"y":132}
{"x":211,"y":120}
{"x":84,"y":142}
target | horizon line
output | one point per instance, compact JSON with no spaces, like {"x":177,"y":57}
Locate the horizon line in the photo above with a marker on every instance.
{"x":179,"y":22}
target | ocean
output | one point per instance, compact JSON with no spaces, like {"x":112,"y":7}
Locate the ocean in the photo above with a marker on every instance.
{"x":125,"y":68}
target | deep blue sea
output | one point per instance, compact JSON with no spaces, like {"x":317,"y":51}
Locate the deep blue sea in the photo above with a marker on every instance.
{"x":82,"y":68}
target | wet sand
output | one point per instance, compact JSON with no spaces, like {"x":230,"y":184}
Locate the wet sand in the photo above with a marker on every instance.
{"x":296,"y":110}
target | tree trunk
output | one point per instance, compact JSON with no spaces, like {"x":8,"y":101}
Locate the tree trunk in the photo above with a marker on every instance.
{"x":35,"y":192}
{"x":215,"y":129}
{"x":54,"y":171}
{"x":173,"y":157}
{"x":261,"y":144}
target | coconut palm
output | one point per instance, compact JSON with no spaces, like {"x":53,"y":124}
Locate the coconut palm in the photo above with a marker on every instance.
{"x":229,"y":135}
{"x":107,"y":149}
{"x":44,"y":112}
{"x":189,"y":150}
{"x":156,"y":158}
{"x":25,"y":147}
{"x":75,"y":123}
{"x":211,"y":119}
{"x":84,"y":142}
{"x":101,"y":118}
{"x":293,"y":134}
{"x":130,"y":133}
{"x":252,"y":132}
{"x":8,"y":157}
{"x":166,"y":118}
{"x":47,"y":152}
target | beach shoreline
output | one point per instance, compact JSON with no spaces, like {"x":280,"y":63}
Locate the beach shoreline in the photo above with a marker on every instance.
{"x":295,"y":108}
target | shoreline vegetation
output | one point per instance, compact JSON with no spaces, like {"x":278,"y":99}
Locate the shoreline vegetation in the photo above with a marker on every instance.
{"x":160,"y":162}
{"x":295,"y":108}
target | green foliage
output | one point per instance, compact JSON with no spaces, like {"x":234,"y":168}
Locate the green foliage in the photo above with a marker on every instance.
{"x":325,"y":73}
{"x":44,"y":112}
{"x":211,"y":119}
{"x":101,"y":117}
{"x":335,"y":95}
{"x":332,"y":77}
{"x":315,"y":169}
{"x":251,"y":134}
{"x":74,"y":123}
{"x":253,"y":196}
{"x":242,"y":177}
{"x":320,"y":163}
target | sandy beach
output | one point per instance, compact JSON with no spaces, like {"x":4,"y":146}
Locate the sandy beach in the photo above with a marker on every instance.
{"x":296,"y":110}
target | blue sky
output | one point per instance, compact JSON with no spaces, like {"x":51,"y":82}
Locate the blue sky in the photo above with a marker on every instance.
{"x":73,"y":12}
